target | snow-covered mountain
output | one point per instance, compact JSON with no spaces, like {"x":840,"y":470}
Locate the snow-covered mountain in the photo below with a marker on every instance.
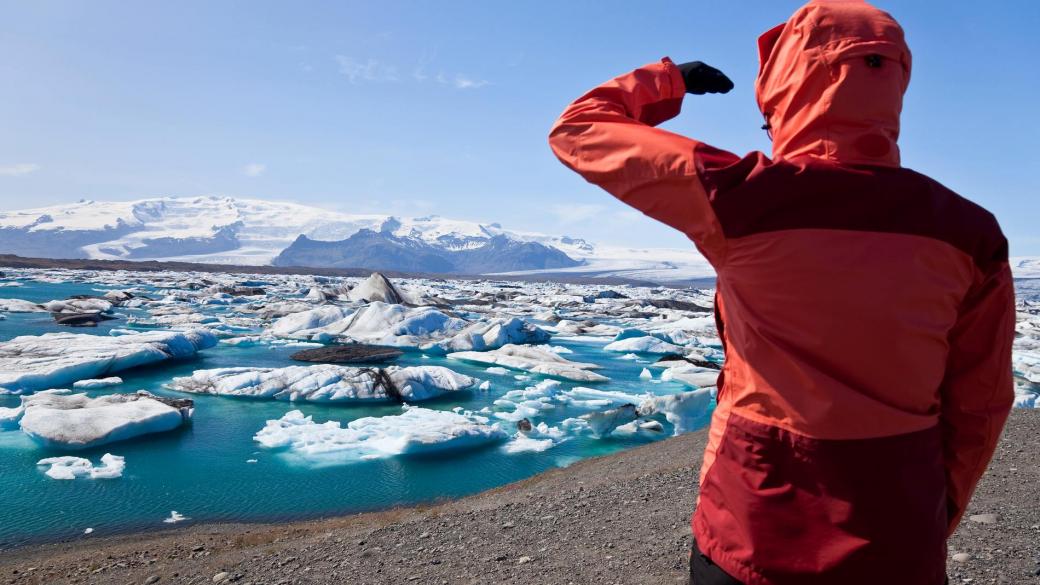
{"x":251,"y":232}
{"x":227,"y":230}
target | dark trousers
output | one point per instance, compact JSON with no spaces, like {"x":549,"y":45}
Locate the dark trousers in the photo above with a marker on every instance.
{"x":705,"y":572}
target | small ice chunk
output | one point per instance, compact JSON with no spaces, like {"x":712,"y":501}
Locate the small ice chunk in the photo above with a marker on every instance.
{"x":646,"y":375}
{"x":175,"y":517}
{"x":111,"y":467}
{"x":97,"y":383}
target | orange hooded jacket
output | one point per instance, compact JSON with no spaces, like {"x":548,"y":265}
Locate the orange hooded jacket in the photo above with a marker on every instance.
{"x":867,"y":312}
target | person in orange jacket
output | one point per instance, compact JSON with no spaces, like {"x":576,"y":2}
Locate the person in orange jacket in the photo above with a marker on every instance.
{"x":866,"y":311}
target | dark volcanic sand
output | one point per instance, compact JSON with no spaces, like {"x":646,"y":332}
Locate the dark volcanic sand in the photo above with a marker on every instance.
{"x":616,"y":519}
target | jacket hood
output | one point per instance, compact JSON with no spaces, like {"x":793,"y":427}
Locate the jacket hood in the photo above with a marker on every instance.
{"x":831,"y":82}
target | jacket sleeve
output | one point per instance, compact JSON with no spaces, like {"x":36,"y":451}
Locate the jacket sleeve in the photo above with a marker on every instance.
{"x":978,"y":389}
{"x":608,"y":137}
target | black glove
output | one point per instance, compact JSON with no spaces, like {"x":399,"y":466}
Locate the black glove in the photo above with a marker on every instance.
{"x":701,"y":79}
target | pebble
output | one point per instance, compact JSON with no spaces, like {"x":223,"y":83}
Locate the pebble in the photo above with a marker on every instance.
{"x":523,"y":560}
{"x":220,"y":576}
{"x":961,"y":557}
{"x":983,"y":518}
{"x":508,"y":525}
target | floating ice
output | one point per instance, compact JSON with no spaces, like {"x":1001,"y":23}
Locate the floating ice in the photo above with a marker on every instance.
{"x":645,"y":344}
{"x":540,"y":437}
{"x":308,"y":323}
{"x":603,"y":423}
{"x":688,"y":373}
{"x":75,"y":421}
{"x":416,"y":430}
{"x":35,"y":362}
{"x":97,"y":383}
{"x":19,"y":306}
{"x":426,"y":328}
{"x":175,"y":517}
{"x":78,"y":306}
{"x":327,"y":383}
{"x":111,"y":467}
{"x":533,"y":359}
{"x":9,"y":417}
{"x":685,"y":410}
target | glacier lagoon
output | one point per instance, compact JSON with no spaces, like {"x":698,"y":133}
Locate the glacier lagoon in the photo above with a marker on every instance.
{"x":216,"y":470}
{"x":213,"y":470}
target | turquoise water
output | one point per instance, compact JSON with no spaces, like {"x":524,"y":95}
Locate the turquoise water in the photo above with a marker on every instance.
{"x":201,"y":470}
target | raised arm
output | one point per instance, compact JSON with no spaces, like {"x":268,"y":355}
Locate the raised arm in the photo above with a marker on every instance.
{"x":978,"y":390}
{"x":608,"y":137}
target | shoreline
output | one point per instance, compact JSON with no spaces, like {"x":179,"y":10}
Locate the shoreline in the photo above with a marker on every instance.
{"x":619,"y":518}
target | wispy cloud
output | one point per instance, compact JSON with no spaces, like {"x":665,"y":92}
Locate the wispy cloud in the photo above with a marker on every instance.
{"x":18,"y":169}
{"x":576,"y":213}
{"x":375,"y":71}
{"x":254,"y":169}
{"x":372,"y":70}
{"x":463,"y":82}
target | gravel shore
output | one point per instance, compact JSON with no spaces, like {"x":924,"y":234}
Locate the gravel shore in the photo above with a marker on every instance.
{"x":623,"y":518}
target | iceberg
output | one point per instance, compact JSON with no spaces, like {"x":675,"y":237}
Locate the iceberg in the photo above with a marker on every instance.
{"x":685,"y":410}
{"x":75,"y":421}
{"x":538,"y":438}
{"x":689,"y":374}
{"x":603,"y":423}
{"x":19,"y":306}
{"x":644,"y":344}
{"x":75,"y":306}
{"x":395,"y":325}
{"x":327,"y":383}
{"x":9,"y":417}
{"x":309,"y":323}
{"x":491,"y":334}
{"x":99,"y":383}
{"x":111,"y":467}
{"x":415,"y":431}
{"x":53,"y":360}
{"x":533,"y":359}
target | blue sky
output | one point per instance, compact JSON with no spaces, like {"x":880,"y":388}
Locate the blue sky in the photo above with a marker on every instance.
{"x":443,"y":107}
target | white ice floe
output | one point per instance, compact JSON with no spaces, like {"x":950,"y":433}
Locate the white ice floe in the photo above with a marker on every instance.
{"x":528,"y":402}
{"x":97,"y":383}
{"x":533,"y":359}
{"x":490,"y":334}
{"x":9,"y":417}
{"x":175,"y":517}
{"x":20,"y":306}
{"x":76,"y":421}
{"x":327,"y":383}
{"x":53,"y":360}
{"x":688,"y":373}
{"x":686,"y":410}
{"x":644,"y":344}
{"x":416,"y":430}
{"x":540,"y":437}
{"x":78,"y":306}
{"x":111,"y":467}
{"x":602,"y":423}
{"x":426,"y":328}
{"x":310,"y":322}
